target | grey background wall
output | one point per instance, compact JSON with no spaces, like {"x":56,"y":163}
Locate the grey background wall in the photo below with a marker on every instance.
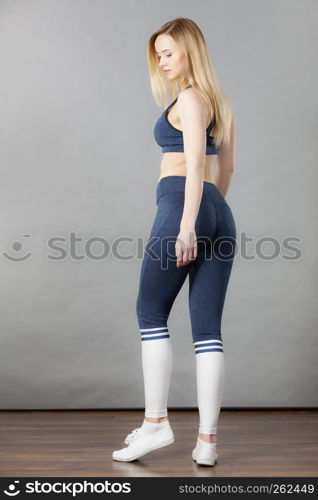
{"x":78,"y":160}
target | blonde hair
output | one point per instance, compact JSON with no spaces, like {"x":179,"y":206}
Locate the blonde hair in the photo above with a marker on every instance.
{"x":199,"y":73}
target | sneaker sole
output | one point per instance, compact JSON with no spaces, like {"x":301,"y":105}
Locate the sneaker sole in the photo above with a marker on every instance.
{"x":204,"y":461}
{"x":165,"y":443}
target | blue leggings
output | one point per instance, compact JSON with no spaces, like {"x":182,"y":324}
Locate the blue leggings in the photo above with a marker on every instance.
{"x":160,"y":278}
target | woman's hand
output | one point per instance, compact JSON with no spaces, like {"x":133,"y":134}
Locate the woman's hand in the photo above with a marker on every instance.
{"x":186,"y":246}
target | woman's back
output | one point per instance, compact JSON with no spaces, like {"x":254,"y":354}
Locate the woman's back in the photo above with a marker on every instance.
{"x":173,"y":161}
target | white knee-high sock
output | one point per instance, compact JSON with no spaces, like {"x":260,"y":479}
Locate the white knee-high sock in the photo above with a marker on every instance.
{"x":210,"y":369}
{"x":156,"y":351}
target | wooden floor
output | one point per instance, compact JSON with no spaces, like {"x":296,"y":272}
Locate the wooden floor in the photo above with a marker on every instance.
{"x":80,"y":443}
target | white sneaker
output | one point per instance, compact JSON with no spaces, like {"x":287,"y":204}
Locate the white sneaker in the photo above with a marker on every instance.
{"x":139,"y":442}
{"x":205,"y":453}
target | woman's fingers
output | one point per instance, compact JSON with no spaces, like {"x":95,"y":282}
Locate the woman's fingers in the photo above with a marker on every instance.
{"x":185,"y":253}
{"x":195,"y":251}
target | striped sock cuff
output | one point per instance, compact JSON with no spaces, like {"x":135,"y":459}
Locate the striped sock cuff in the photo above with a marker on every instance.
{"x":161,"y":332}
{"x":208,"y":345}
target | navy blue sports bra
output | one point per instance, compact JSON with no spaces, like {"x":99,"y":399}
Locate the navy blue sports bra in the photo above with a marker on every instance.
{"x":171,"y":138}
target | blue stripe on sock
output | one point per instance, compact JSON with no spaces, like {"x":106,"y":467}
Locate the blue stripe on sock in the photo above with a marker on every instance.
{"x":153,"y":330}
{"x":208,"y":350}
{"x":202,"y":342}
{"x":156,"y":337}
{"x":162,"y":330}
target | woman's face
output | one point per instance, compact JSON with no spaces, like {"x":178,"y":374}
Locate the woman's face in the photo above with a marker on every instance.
{"x":171,"y":59}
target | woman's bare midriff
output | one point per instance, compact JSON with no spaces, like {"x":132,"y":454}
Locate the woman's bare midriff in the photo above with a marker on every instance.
{"x":173,"y":163}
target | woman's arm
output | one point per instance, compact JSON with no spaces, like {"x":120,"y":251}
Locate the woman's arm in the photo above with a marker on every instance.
{"x":192,"y":112}
{"x":225,"y":164}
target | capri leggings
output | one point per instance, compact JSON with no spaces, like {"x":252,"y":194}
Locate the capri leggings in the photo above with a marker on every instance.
{"x":209,"y":273}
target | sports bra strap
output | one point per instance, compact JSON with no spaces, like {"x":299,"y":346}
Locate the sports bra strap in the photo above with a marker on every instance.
{"x":175,"y":100}
{"x":211,"y":125}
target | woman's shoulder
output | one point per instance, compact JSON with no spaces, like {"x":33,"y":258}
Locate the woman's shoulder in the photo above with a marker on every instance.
{"x":192,"y":98}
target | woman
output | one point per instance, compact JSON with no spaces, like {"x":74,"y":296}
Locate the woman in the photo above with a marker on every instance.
{"x":193,"y":234}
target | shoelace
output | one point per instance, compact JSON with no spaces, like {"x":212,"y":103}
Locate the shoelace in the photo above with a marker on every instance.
{"x":132,"y":435}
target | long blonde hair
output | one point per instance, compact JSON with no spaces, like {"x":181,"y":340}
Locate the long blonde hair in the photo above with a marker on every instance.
{"x":199,"y":73}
